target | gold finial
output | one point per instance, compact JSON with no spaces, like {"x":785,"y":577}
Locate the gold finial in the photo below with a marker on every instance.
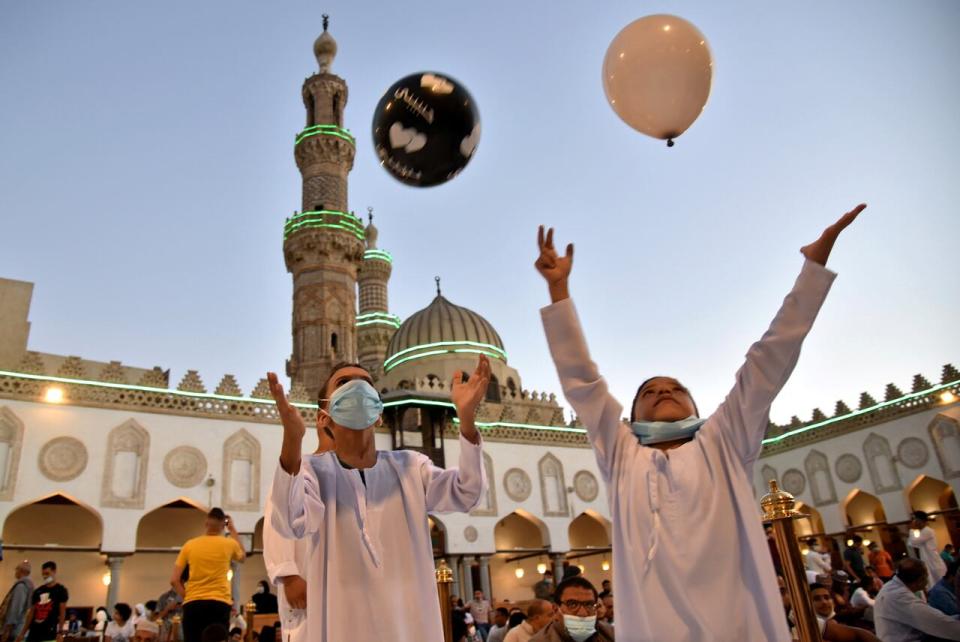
{"x":777,"y":504}
{"x":444,"y":573}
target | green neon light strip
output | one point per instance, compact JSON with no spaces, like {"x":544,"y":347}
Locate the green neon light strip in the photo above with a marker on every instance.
{"x":325,"y":130}
{"x":383,"y":255}
{"x":324,"y":218}
{"x":414,"y":357}
{"x":377,"y":315}
{"x":500,"y":353}
{"x":482,"y":424}
{"x":166,"y":391}
{"x":856,"y":413}
{"x":393,"y":325}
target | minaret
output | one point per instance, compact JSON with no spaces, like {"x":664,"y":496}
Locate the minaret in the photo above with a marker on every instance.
{"x":324,"y":243}
{"x":375,"y":324}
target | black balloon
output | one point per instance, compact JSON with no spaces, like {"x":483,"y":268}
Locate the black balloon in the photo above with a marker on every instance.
{"x":426,"y":129}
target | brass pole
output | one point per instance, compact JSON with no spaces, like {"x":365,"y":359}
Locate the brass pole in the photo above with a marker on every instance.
{"x":174,"y":633}
{"x":249,"y":610}
{"x":778,"y":510}
{"x":444,"y":582}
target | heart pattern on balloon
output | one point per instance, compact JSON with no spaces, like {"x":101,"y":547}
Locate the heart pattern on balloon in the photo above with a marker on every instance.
{"x":409,"y":138}
{"x":436,"y":84}
{"x":469,"y":143}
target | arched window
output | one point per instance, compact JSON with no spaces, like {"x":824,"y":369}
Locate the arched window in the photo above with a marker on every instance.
{"x":512,"y":387}
{"x":493,"y":390}
{"x":333,"y":341}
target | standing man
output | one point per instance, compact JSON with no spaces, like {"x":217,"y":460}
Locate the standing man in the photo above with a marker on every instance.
{"x":363,"y":512}
{"x":924,"y":540}
{"x":853,"y":560}
{"x":539,"y":614}
{"x":881,"y":561}
{"x":499,"y":629}
{"x":479,"y":608}
{"x":543,"y":590}
{"x":206,"y":596}
{"x":49,"y":608}
{"x":679,"y":486}
{"x":15,"y":605}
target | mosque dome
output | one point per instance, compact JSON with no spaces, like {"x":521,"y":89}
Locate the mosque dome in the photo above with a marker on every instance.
{"x":442,"y":328}
{"x":325,"y":48}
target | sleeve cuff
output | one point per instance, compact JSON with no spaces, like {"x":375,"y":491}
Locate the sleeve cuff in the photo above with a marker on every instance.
{"x":283,"y":570}
{"x":817,"y":272}
{"x":560,"y":309}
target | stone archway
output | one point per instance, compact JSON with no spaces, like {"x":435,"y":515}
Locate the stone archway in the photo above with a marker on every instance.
{"x":518,"y":535}
{"x":936,"y":497}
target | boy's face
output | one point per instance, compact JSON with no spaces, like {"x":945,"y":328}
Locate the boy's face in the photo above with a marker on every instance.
{"x":664,"y":399}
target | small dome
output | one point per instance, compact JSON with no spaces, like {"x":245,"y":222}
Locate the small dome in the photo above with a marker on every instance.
{"x":443,"y":327}
{"x":325,"y":48}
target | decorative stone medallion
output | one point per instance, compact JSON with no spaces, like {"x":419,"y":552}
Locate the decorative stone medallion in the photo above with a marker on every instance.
{"x":848,"y":468}
{"x":470,"y":534}
{"x":185,"y":466}
{"x":517,"y":484}
{"x":62,"y":459}
{"x":913,"y":452}
{"x":585,"y":484}
{"x":794,"y":482}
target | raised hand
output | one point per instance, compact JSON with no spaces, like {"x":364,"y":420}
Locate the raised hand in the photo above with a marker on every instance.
{"x":467,"y":395}
{"x":292,"y":420}
{"x":819,"y":250}
{"x":553,"y":267}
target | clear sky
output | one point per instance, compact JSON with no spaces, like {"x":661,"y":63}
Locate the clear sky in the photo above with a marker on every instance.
{"x":146,"y":168}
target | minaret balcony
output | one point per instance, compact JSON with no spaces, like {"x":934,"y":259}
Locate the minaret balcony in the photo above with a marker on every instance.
{"x":331,"y":219}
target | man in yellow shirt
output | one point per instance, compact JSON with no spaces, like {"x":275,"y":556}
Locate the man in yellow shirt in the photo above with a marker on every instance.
{"x":206,"y":596}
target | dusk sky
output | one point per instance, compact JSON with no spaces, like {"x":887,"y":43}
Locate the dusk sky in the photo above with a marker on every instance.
{"x":146,"y":168}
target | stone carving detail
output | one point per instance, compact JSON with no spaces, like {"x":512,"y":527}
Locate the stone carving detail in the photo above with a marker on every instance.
{"x":72,"y":368}
{"x":488,"y":506}
{"x":155,"y":378}
{"x":62,"y":459}
{"x":299,"y":393}
{"x":262,"y":391}
{"x":470,"y":534}
{"x":32,"y":363}
{"x":112,"y":373}
{"x":241,"y":472}
{"x":553,"y":487}
{"x":945,"y":433}
{"x":880,"y":463}
{"x":125,"y":476}
{"x":228,"y":387}
{"x":11,"y":442}
{"x":585,"y":484}
{"x":913,"y":452}
{"x":794,"y":482}
{"x":185,"y":466}
{"x":191,"y":382}
{"x":517,"y":483}
{"x":821,"y":481}
{"x":848,"y":468}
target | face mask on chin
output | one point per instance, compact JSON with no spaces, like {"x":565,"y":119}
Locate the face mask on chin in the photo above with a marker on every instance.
{"x":580,"y":628}
{"x":355,"y":405}
{"x":50,"y":579}
{"x":655,"y":432}
{"x":260,"y":590}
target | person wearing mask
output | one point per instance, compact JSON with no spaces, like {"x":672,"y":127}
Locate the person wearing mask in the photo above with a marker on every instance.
{"x":576,"y":600}
{"x":543,"y":589}
{"x":607,"y":602}
{"x":901,"y":616}
{"x":48,"y":610}
{"x":943,"y":596}
{"x":830,"y":629}
{"x":694,"y":475}
{"x":16,"y":603}
{"x":206,"y":596}
{"x":500,"y":626}
{"x":816,"y":558}
{"x":479,"y":608}
{"x":924,"y":540}
{"x":853,"y":562}
{"x":100,"y":619}
{"x":263,"y":599}
{"x":364,"y":512}
{"x":881,"y":561}
{"x":122,"y":628}
{"x":539,"y":614}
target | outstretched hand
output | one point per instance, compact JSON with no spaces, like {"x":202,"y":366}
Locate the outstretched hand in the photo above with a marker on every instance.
{"x":554,"y":268}
{"x":819,"y":250}
{"x":467,"y":395}
{"x":293,"y":425}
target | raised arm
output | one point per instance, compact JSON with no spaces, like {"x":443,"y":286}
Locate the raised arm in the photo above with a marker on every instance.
{"x":742,"y":418}
{"x":460,"y":489}
{"x":297,"y":505}
{"x":580,"y":379}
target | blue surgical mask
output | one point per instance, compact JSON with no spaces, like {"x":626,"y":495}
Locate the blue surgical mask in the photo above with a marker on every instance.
{"x":580,"y":628}
{"x":355,"y":405}
{"x":655,"y":432}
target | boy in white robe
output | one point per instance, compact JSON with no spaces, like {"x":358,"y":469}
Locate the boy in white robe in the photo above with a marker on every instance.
{"x":924,"y":540}
{"x":690,"y":557}
{"x":363,"y":512}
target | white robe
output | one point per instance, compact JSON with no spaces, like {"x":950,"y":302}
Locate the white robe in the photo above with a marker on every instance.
{"x":690,"y":556}
{"x":925,"y":540}
{"x":284,"y":557}
{"x":371,"y":574}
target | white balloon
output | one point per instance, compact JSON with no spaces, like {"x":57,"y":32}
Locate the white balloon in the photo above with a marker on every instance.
{"x":657,"y":75}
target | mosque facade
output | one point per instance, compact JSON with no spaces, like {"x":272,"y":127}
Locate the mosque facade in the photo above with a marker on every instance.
{"x":108,"y":468}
